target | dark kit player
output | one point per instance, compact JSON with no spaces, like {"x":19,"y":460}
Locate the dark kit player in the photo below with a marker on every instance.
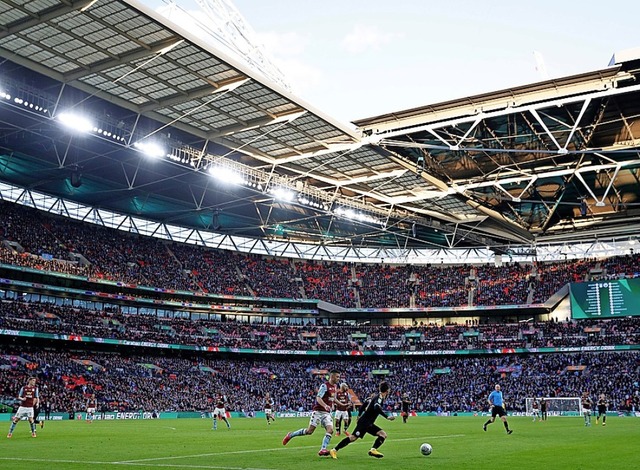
{"x":369,"y":411}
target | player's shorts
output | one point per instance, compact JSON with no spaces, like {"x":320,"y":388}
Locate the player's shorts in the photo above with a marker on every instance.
{"x":362,"y":429}
{"x":268,"y":411}
{"x":602,"y":410}
{"x":24,"y":412}
{"x":321,"y":418}
{"x":498,"y":411}
{"x":219,"y":413}
{"x":344,"y":415}
{"x":91,"y":410}
{"x":586,"y":411}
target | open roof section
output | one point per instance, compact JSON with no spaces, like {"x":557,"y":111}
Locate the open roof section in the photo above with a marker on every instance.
{"x":545,"y":160}
{"x":472,"y":172}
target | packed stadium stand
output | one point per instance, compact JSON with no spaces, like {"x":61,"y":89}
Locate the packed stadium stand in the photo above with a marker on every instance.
{"x":136,"y":378}
{"x":201,"y":232}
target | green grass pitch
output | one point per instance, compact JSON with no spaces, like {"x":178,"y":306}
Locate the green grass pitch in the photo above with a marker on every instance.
{"x":458,"y":443}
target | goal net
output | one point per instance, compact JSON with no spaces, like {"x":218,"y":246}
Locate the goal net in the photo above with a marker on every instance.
{"x":557,"y":406}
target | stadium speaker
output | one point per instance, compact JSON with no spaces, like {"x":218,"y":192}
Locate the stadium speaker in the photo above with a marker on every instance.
{"x":76,"y":179}
{"x":215,"y":220}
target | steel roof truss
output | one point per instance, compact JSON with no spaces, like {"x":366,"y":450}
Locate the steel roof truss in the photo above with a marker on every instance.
{"x":559,"y":102}
{"x":600,"y":202}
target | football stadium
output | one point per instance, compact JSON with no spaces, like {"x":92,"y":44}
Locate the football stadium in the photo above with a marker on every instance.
{"x":198,"y":269}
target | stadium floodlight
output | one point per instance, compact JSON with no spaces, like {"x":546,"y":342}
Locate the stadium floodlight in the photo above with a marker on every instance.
{"x":283,"y":194}
{"x":5,"y":95}
{"x":304,"y":200}
{"x":150,"y":148}
{"x":351,"y":214}
{"x":226,"y":174}
{"x":75,"y":122}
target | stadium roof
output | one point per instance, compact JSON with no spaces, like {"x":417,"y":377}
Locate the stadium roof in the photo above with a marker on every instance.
{"x":552,"y":160}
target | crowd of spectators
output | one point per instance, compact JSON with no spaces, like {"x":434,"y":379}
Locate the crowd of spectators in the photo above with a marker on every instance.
{"x":552,"y":276}
{"x":271,"y":277}
{"x":54,"y":243}
{"x":441,"y":286}
{"x":129,"y":382}
{"x":504,"y":285}
{"x":112,"y":323}
{"x":331,"y":282}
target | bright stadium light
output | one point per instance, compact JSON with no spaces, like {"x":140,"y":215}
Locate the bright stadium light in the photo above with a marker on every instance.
{"x":150,"y":148}
{"x":282,"y":194}
{"x":226,"y":174}
{"x":75,"y":122}
{"x":351,"y":214}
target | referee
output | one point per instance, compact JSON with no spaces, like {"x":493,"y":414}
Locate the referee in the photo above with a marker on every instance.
{"x":497,"y":409}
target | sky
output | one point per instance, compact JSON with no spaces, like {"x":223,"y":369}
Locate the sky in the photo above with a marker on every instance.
{"x":353,"y":59}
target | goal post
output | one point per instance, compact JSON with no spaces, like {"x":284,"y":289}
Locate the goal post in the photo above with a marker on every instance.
{"x":557,"y":406}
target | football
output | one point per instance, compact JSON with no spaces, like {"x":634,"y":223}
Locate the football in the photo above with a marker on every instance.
{"x":426,"y":449}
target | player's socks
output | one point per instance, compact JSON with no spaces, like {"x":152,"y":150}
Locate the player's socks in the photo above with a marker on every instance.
{"x":326,"y":440}
{"x":12,"y":427}
{"x":506,"y":426}
{"x":343,"y":443}
{"x":378,"y":442}
{"x":33,"y":427}
{"x":299,"y":432}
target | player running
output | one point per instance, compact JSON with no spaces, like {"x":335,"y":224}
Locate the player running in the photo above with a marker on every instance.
{"x":268,"y":409}
{"x":602,"y":409}
{"x":369,"y":411}
{"x":587,"y":404}
{"x":321,"y":414}
{"x":219,"y":412}
{"x":343,"y":403}
{"x":406,"y":404}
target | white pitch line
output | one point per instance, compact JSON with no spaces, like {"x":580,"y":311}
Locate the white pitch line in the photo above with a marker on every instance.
{"x":252,"y":451}
{"x":231,"y":452}
{"x":427,"y":437}
{"x":140,"y":462}
{"x":133,"y":464}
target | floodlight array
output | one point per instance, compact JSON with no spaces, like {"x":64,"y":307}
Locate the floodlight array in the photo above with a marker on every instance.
{"x":15,"y":95}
